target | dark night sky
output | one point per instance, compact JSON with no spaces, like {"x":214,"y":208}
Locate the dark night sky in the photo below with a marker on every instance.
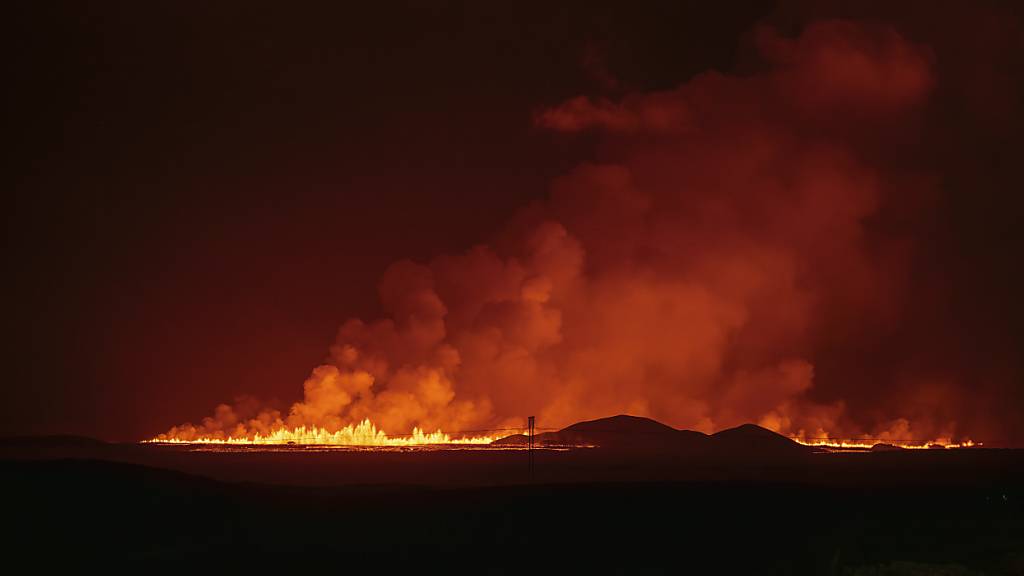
{"x":202,"y":194}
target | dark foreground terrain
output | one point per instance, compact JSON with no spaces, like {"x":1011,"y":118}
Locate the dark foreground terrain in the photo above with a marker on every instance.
{"x":80,"y":503}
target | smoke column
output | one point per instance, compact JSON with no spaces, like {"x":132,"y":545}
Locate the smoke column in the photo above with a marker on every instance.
{"x":736,"y":252}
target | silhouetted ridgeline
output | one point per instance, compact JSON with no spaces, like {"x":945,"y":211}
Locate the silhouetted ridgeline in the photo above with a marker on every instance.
{"x":628,"y":449}
{"x":649,"y":499}
{"x":643,"y":435}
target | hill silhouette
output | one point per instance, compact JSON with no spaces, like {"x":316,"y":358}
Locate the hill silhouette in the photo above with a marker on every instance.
{"x":752,"y":435}
{"x":51,"y":440}
{"x":57,"y":445}
{"x":612,"y":432}
{"x":635,"y":433}
{"x":883,"y":447}
{"x":750,"y":442}
{"x":623,"y":423}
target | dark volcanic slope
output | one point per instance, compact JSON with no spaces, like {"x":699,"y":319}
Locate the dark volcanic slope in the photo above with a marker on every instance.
{"x":614,"y":432}
{"x":751,"y":441}
{"x":635,"y":433}
{"x":104,"y":514}
{"x":57,"y":446}
{"x":621,"y":432}
{"x":56,"y":441}
{"x":622,"y":424}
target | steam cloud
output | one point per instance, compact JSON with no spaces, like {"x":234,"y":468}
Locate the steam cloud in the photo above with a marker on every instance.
{"x":731,"y":235}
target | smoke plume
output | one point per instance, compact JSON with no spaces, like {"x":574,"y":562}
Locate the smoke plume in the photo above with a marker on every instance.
{"x":736,"y":234}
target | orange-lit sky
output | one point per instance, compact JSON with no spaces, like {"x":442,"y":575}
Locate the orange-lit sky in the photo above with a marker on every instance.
{"x":827,"y":219}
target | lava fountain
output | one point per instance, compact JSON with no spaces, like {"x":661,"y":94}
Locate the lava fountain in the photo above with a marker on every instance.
{"x":364,"y":433}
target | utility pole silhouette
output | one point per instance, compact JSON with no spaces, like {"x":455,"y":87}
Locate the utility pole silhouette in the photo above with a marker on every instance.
{"x":530,"y":424}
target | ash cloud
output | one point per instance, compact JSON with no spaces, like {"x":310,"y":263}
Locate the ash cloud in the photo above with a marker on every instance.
{"x":732,"y":237}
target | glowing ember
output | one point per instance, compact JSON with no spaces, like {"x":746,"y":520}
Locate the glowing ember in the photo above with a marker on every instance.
{"x":363,"y":434}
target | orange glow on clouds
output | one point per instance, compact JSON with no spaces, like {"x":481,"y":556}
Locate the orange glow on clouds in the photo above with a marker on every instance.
{"x":693,"y":277}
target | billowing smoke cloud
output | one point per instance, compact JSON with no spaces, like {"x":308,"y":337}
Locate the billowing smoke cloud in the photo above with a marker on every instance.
{"x":735,"y":231}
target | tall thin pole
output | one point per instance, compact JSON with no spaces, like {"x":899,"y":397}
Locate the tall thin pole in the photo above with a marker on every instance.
{"x":530,"y":424}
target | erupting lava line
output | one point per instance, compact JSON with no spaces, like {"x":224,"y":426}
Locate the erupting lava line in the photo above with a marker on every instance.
{"x":363,"y":434}
{"x":366,"y":433}
{"x":868,"y":443}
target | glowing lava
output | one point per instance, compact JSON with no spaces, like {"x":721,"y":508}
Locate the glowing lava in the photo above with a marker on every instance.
{"x":868,"y":443}
{"x":363,"y":434}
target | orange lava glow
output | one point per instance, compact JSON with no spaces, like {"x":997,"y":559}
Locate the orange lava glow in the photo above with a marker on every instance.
{"x":363,"y":434}
{"x":868,"y":443}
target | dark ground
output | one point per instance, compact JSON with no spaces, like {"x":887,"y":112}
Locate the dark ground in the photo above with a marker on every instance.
{"x":72,"y":501}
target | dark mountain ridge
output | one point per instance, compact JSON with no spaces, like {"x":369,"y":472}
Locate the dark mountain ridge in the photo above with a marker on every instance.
{"x":639,"y":434}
